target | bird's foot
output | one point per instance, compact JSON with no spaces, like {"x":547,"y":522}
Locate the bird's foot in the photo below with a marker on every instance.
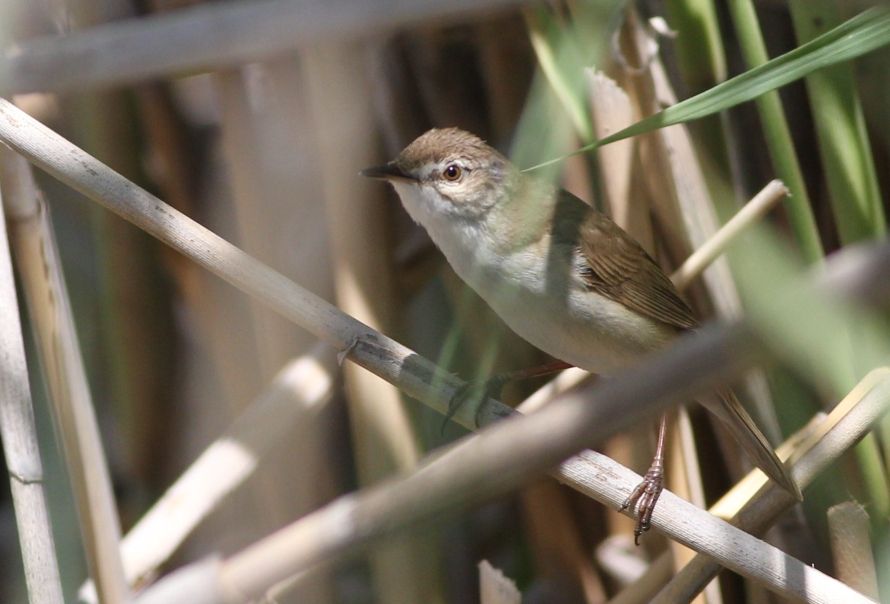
{"x":475,"y":393}
{"x":644,"y":497}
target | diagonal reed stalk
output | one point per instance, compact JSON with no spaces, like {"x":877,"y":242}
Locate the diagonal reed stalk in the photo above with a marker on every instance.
{"x":209,"y":36}
{"x":752,"y":211}
{"x":653,"y":580}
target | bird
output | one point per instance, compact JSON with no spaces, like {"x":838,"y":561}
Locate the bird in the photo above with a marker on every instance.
{"x":559,"y":273}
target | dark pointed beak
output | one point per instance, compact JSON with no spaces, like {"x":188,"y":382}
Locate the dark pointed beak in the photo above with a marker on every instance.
{"x":390,"y":171}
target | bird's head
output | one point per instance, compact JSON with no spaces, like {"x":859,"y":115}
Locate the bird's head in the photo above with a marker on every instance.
{"x":447,"y":171}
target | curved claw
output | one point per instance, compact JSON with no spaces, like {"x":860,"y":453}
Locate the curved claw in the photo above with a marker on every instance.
{"x":643,"y":499}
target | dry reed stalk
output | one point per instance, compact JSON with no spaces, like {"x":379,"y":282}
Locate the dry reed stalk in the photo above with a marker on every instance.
{"x":83,"y":172}
{"x":357,"y":222}
{"x":695,"y":362}
{"x":676,"y":185}
{"x":611,"y":110}
{"x":495,"y":588}
{"x":844,"y":426}
{"x":37,"y":258}
{"x":20,"y":446}
{"x":384,"y":442}
{"x":285,"y":231}
{"x":710,"y":250}
{"x":210,"y":36}
{"x":269,"y":149}
{"x":849,"y":533}
{"x":289,"y":407}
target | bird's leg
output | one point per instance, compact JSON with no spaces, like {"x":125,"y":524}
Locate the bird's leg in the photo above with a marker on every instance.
{"x":645,"y":495}
{"x":479,"y":392}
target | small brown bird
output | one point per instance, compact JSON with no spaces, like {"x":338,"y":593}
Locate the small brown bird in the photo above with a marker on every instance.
{"x":560,"y":274}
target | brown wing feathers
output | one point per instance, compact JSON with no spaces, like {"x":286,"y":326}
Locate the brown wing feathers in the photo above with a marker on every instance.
{"x":618,"y":268}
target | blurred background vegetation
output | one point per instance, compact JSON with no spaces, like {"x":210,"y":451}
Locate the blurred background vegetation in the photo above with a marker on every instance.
{"x":266,"y":153}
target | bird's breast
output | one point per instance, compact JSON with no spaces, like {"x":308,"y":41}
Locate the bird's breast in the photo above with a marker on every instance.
{"x":548,"y":306}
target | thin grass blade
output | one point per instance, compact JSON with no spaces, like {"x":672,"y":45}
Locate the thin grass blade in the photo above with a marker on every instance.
{"x":853,"y":38}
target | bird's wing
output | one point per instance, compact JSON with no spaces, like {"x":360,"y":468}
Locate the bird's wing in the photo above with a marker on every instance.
{"x":617,"y":267}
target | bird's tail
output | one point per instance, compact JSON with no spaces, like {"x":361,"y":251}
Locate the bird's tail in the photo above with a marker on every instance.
{"x":727,"y":407}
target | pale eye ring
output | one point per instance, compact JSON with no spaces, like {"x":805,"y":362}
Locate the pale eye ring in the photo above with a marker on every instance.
{"x":452,"y":172}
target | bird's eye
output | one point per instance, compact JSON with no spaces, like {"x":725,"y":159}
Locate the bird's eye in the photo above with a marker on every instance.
{"x":452,"y":172}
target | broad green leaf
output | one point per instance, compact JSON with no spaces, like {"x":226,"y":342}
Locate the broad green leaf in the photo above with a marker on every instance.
{"x":857,"y":36}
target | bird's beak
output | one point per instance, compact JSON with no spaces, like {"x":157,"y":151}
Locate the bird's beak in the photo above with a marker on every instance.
{"x":390,"y":171}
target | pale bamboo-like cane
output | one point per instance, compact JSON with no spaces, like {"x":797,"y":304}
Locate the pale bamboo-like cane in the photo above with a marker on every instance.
{"x":20,"y":446}
{"x":209,"y":36}
{"x":849,"y":531}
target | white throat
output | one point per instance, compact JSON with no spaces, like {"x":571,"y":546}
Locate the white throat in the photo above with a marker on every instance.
{"x":466,"y":242}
